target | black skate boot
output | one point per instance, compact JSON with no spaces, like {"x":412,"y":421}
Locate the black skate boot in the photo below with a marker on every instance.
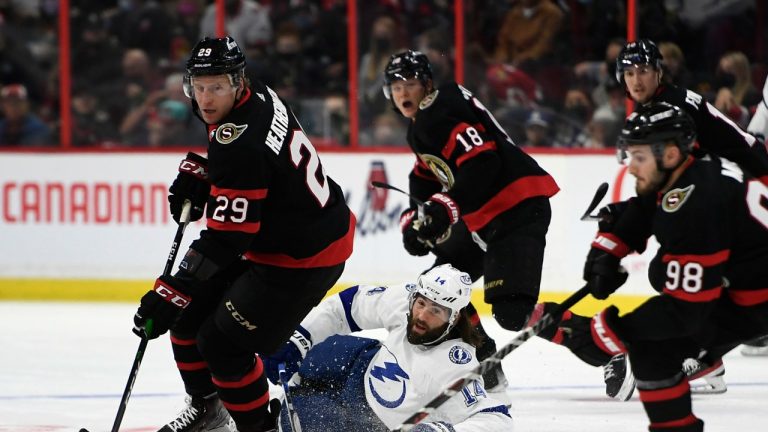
{"x":618,"y":377}
{"x":201,"y":415}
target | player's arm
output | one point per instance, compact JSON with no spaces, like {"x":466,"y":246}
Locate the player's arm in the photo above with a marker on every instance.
{"x":718,"y":134}
{"x":477,"y":164}
{"x":356,"y":308}
{"x":471,"y":409}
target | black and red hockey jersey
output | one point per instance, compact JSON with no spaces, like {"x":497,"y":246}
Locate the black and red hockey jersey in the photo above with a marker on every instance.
{"x":271,"y":199}
{"x":462,"y":149}
{"x":716,"y":133}
{"x":712,"y":227}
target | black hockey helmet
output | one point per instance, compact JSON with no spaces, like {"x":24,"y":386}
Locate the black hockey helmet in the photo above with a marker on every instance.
{"x":215,"y":56}
{"x":656,"y":124}
{"x":406,"y":65}
{"x":640,"y":52}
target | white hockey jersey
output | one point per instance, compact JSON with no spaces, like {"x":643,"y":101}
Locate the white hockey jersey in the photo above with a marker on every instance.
{"x":403,"y":377}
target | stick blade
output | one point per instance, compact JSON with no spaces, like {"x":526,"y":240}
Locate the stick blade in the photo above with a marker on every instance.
{"x":599,"y":195}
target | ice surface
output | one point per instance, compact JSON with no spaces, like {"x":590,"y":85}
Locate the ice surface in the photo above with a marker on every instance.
{"x":63,"y":366}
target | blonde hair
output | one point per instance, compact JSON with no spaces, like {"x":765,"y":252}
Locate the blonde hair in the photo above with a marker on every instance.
{"x":742,"y":71}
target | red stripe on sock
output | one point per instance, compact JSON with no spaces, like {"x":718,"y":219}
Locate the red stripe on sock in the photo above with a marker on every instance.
{"x":665,"y":394}
{"x":247,"y":406}
{"x":192,"y":366}
{"x":249,"y":378}
{"x":685,"y":421}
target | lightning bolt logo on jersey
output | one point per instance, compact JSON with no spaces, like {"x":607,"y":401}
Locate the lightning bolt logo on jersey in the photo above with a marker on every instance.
{"x":387,"y":380}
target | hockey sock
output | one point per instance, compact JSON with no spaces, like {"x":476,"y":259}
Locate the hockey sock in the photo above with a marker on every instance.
{"x":193,"y":369}
{"x":669,"y":408}
{"x":246,"y":398}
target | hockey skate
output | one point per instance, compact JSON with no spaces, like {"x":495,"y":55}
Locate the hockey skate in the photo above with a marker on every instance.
{"x":757,"y":347}
{"x":705,"y":378}
{"x":201,"y":415}
{"x":618,"y":377}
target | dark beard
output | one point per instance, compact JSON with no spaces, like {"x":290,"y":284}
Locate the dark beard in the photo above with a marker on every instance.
{"x":429,"y":337}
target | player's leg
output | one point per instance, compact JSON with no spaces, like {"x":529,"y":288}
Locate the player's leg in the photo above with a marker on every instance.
{"x":663,"y":387}
{"x":203,"y":410}
{"x":257,"y":315}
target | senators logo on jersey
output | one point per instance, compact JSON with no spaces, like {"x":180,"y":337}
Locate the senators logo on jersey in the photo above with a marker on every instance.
{"x":229,"y":132}
{"x":675,"y":199}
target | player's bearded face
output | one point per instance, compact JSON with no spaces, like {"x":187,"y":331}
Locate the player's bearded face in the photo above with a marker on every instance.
{"x":642,"y":164}
{"x":426,"y":322}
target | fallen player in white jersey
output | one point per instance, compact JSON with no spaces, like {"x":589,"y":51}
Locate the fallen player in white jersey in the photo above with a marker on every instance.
{"x":363,"y":384}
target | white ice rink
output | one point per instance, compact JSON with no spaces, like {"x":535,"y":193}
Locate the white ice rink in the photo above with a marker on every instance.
{"x":63,"y":366}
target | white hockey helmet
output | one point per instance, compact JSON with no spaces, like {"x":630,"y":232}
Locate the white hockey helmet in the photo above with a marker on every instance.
{"x":446,"y":286}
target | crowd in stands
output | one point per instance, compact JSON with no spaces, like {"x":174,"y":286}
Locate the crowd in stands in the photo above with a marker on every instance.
{"x":545,"y":68}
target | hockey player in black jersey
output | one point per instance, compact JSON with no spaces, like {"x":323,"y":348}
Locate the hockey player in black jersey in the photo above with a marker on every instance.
{"x":468,"y":169}
{"x":639,"y":69}
{"x":486,"y":205}
{"x":711,"y":221}
{"x":277,"y":235}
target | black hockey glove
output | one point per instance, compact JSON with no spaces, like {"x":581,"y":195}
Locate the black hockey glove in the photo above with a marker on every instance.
{"x":292,"y":353}
{"x":609,"y":214}
{"x":596,"y":340}
{"x":440,"y":212}
{"x":603,"y":273}
{"x":161,"y":307}
{"x":411,"y":241}
{"x":191,"y":184}
{"x":512,"y":312}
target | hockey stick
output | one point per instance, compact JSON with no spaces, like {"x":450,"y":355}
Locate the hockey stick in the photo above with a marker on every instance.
{"x":383,"y":185}
{"x":293,"y":416}
{"x":183,"y":222}
{"x":491,"y":362}
{"x":599,"y":194}
{"x":475,"y":236}
{"x":494,"y":360}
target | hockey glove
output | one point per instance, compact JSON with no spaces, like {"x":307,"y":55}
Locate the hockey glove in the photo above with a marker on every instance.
{"x":191,"y":184}
{"x":603,"y":273}
{"x":161,"y":307}
{"x":512,"y":312}
{"x":433,"y":427}
{"x":440,"y":212}
{"x":609,"y":214}
{"x":596,"y":340}
{"x":413,"y":244}
{"x":292,"y":353}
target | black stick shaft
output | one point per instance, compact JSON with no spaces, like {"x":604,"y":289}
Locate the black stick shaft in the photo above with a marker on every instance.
{"x":383,"y":185}
{"x":183,"y":222}
{"x":491,"y":362}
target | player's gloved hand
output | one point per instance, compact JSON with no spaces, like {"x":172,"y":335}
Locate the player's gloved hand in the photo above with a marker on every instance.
{"x":512,"y":312}
{"x":190,"y":184}
{"x":413,"y":244}
{"x":292,"y":353}
{"x":603,"y":273}
{"x":595,"y":340}
{"x":161,"y":306}
{"x":440,"y":212}
{"x":433,"y":427}
{"x":609,"y":214}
